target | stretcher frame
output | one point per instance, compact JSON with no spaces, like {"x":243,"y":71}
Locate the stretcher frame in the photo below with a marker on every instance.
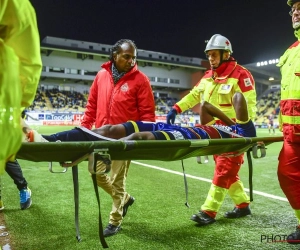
{"x":93,"y":151}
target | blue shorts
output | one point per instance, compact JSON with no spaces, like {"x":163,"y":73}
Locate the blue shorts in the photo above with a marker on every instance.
{"x":163,"y":131}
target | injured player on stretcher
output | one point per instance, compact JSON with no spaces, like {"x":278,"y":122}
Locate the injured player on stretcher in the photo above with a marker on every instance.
{"x":137,"y":130}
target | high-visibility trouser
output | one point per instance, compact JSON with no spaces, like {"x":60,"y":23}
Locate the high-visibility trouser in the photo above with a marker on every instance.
{"x":289,"y":174}
{"x":225,"y":180}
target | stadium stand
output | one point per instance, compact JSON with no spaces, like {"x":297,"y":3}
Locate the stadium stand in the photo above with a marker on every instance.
{"x":59,"y":101}
{"x":69,"y":67}
{"x":267,"y":104}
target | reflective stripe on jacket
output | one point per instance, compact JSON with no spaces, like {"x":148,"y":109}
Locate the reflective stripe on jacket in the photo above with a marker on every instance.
{"x":289,"y":64}
{"x":229,"y":78}
{"x":131,"y":98}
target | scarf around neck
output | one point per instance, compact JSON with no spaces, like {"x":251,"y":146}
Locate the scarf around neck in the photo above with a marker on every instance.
{"x":115,"y":73}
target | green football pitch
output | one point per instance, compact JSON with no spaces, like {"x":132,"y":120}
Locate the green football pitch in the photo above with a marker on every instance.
{"x":158,"y":219}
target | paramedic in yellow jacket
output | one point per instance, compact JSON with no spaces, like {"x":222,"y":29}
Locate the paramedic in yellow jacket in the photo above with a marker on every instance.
{"x":217,"y":87}
{"x":20,"y":68}
{"x":289,"y":121}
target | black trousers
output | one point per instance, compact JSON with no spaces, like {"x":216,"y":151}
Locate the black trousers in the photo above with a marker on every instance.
{"x":71,"y":135}
{"x":14,"y":170}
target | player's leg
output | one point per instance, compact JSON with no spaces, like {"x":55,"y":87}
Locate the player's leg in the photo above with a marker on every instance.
{"x":112,"y":131}
{"x":134,"y":131}
{"x":240,"y":107}
{"x":76,"y":134}
{"x":140,"y":136}
{"x":244,"y":125}
{"x":208,"y":112}
{"x":126,"y":131}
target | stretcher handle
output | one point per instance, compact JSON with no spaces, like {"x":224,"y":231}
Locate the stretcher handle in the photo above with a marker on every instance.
{"x":99,"y":155}
{"x":259,"y":147}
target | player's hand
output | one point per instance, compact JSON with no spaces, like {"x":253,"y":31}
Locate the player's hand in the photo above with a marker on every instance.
{"x":171,"y":116}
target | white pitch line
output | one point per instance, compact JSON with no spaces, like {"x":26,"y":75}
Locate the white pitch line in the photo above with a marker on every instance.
{"x":208,"y":180}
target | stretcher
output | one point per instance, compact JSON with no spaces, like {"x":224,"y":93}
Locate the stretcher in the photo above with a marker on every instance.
{"x":93,"y":151}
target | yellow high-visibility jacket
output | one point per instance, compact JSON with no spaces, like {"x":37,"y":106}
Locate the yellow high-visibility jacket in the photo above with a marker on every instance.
{"x":289,"y":64}
{"x":20,"y":69}
{"x":218,"y":87}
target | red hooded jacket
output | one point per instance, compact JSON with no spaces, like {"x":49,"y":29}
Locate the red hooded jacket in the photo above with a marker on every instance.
{"x":131,"y":98}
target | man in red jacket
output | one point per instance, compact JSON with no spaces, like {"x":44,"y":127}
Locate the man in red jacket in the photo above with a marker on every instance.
{"x":120,"y":92}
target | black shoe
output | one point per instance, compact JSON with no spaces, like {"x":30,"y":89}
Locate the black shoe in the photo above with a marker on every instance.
{"x":111,"y":230}
{"x":202,"y":218}
{"x":294,"y":238}
{"x":238,"y":213}
{"x":128,"y":203}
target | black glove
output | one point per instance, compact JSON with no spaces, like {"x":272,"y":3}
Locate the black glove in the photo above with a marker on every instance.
{"x":171,"y":116}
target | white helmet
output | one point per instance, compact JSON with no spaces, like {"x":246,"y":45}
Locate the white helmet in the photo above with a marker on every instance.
{"x":218,"y":41}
